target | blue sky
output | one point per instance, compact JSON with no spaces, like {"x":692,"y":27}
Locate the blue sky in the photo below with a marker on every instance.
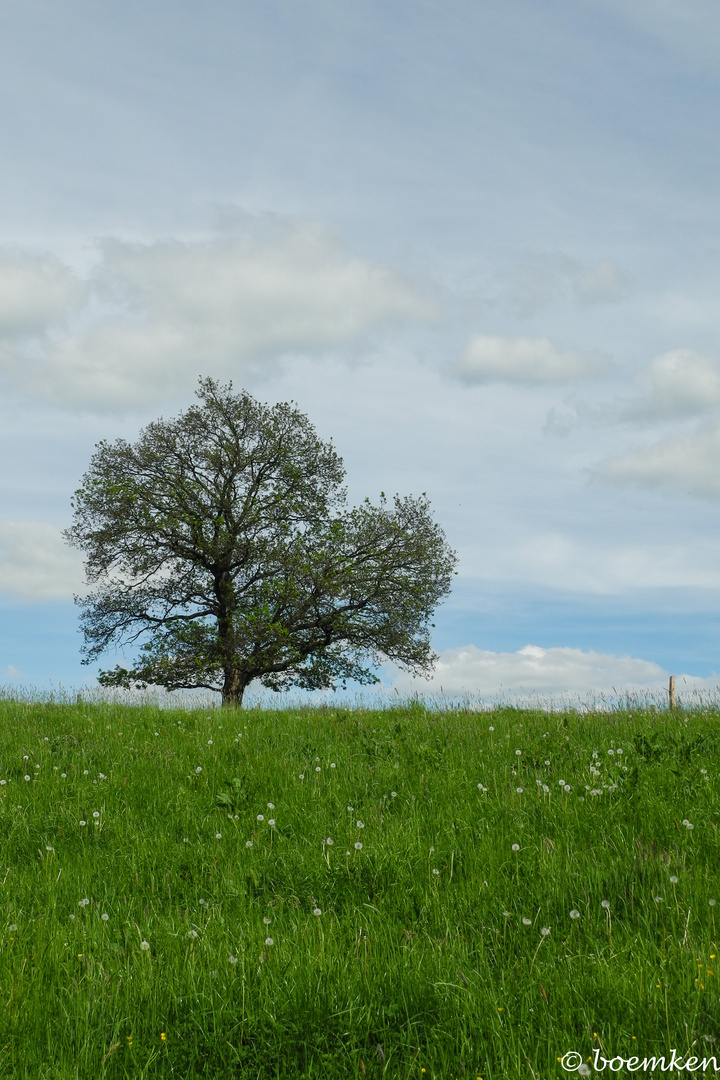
{"x":478,"y":243}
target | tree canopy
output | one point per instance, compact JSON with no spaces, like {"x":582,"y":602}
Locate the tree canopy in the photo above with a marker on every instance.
{"x":221,"y":547}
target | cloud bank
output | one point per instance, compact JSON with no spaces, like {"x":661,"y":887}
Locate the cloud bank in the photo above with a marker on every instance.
{"x":36,"y":564}
{"x":524,"y":360}
{"x":152,"y":317}
{"x":536,"y":671}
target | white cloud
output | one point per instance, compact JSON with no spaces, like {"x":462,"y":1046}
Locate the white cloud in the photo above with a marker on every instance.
{"x":524,"y":360}
{"x":35,"y":562}
{"x":687,"y":464}
{"x":533,"y":670}
{"x":36,"y":292}
{"x":161,"y":314}
{"x":13,"y":673}
{"x":676,"y":385}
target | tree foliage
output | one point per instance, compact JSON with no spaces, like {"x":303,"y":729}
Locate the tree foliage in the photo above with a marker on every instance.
{"x":220,"y":545}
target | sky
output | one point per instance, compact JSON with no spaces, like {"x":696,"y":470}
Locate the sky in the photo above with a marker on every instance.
{"x":477,"y":243}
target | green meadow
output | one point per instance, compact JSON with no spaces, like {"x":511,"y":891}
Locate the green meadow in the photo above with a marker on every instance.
{"x":337,"y":893}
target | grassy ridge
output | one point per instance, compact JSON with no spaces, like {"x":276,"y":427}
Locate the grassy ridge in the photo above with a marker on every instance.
{"x":428,"y":951}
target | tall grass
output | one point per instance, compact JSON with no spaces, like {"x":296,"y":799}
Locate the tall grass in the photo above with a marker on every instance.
{"x":345,"y":893}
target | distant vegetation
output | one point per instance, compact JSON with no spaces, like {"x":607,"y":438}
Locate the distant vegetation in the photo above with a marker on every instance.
{"x":329,"y":893}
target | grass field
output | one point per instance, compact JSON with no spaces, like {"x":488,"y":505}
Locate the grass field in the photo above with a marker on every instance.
{"x":330,"y":893}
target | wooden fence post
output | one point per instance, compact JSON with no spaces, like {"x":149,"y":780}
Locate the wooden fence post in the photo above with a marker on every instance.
{"x":671,"y":691}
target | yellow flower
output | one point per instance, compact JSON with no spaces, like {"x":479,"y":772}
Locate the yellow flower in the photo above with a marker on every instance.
{"x":163,"y":1036}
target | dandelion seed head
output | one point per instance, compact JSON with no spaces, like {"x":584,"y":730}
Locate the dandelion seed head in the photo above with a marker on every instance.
{"x":360,"y":825}
{"x":86,"y":772}
{"x":436,"y":872}
{"x":144,"y":945}
{"x":358,"y":845}
{"x":96,"y":814}
{"x":271,"y":821}
{"x":248,"y":843}
{"x":192,"y":934}
{"x":232,"y":959}
{"x":199,"y":769}
{"x":329,"y":841}
{"x":567,"y":788}
{"x":712,"y":902}
{"x":317,"y":768}
{"x":83,"y":822}
{"x":545,"y":931}
{"x":516,"y":847}
{"x":547,"y":762}
{"x":269,"y":941}
{"x":519,"y":790}
{"x":317,"y":911}
{"x":267,"y":920}
{"x":218,"y":836}
{"x":302,"y":776}
{"x":491,"y":728}
{"x":526,"y":921}
{"x":518,"y":753}
{"x":673,"y":879}
{"x":26,"y":778}
{"x":393,"y":794}
{"x":332,"y":764}
{"x":261,"y":817}
{"x":574,"y":914}
{"x":605,"y":904}
{"x":105,"y":917}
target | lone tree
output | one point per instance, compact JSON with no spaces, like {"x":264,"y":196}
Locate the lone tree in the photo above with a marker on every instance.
{"x":220,"y":545}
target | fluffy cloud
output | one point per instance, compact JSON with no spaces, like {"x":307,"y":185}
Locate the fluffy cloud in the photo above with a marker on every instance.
{"x":524,"y":360}
{"x":35,"y":562}
{"x":160,"y":314}
{"x":678,"y":384}
{"x":534,"y":671}
{"x":36,"y":293}
{"x":687,"y":464}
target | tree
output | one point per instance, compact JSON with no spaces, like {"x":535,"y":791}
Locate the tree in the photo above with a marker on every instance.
{"x":220,"y":545}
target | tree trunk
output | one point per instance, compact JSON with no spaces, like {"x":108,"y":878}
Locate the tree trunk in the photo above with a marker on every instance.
{"x":233,"y":689}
